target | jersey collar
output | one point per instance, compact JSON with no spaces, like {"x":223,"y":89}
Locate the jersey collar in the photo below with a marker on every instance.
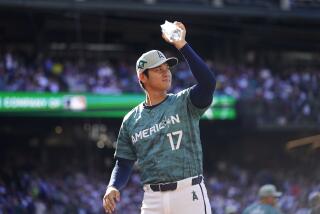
{"x":153,"y":106}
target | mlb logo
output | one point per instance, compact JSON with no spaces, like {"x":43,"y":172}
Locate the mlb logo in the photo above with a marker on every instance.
{"x":160,"y":55}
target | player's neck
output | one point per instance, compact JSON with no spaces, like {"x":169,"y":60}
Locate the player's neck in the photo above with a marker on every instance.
{"x":155,"y":97}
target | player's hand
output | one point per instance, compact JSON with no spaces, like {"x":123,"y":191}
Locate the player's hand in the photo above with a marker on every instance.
{"x":178,"y":44}
{"x":110,"y":198}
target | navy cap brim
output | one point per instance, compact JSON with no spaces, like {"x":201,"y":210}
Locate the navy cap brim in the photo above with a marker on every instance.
{"x":172,"y":61}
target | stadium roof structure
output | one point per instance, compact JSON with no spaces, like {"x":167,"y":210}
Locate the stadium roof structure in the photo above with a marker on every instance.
{"x":266,"y":8}
{"x":136,"y":23}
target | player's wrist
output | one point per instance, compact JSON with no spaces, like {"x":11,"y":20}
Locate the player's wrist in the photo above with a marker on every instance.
{"x":111,"y":187}
{"x":180,"y":44}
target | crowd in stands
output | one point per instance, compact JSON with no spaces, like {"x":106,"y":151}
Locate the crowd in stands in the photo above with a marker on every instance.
{"x":287,"y":97}
{"x":290,"y":96}
{"x":230,"y":188}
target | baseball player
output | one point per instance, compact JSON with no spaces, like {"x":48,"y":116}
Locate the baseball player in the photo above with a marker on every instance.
{"x":162,"y":135}
{"x":267,"y":203}
{"x":314,"y":202}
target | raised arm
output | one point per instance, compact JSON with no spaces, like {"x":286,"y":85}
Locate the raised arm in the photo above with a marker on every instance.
{"x":201,"y":94}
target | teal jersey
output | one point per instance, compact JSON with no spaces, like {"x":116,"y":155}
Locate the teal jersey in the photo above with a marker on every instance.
{"x":258,"y":208}
{"x":165,"y":140}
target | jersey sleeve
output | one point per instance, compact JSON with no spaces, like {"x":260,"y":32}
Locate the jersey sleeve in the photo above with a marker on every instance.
{"x":194,"y":110}
{"x":124,"y":147}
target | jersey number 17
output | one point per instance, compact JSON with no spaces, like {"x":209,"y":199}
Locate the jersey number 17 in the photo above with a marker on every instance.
{"x":170,"y":136}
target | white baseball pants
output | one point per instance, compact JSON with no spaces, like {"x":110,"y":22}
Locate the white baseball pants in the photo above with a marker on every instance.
{"x":185,"y":199}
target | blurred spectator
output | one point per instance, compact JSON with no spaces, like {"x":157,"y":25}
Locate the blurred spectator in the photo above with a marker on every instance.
{"x":267,"y":203}
{"x":314,"y":202}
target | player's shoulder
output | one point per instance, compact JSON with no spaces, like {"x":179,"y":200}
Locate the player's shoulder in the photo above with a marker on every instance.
{"x":133,"y":113}
{"x":250,"y":208}
{"x":182,"y":93}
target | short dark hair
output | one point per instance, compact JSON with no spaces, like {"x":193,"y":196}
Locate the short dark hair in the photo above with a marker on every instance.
{"x":145,"y":72}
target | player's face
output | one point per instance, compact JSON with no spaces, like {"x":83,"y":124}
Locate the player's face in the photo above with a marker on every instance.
{"x":272,"y":201}
{"x":159,"y":78}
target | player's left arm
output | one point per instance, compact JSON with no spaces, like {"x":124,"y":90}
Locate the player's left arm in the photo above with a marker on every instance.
{"x":201,"y":94}
{"x":121,"y":173}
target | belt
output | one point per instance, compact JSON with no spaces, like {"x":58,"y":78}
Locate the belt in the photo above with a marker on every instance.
{"x":173,"y":185}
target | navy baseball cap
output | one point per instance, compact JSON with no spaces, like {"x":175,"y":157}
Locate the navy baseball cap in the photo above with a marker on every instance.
{"x":152,"y":59}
